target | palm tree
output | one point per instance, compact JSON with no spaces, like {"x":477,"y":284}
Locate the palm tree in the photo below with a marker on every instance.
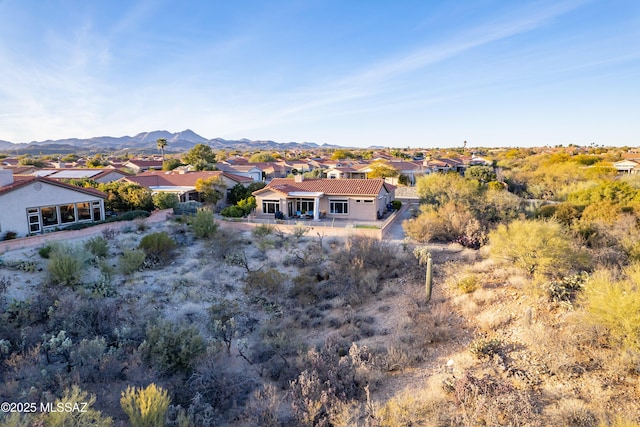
{"x":161,"y":143}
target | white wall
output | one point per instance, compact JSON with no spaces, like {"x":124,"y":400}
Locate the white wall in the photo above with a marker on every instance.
{"x":13,"y":205}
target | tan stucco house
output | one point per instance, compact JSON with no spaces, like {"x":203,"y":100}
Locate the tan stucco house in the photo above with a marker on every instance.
{"x":353,"y":199}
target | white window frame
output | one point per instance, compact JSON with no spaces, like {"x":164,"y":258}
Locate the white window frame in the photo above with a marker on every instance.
{"x":342,"y":202}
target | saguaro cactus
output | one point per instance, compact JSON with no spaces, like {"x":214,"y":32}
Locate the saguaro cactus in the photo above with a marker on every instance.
{"x":424,"y":257}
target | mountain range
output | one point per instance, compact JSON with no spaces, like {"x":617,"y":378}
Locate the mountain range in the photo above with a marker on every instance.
{"x":145,"y":142}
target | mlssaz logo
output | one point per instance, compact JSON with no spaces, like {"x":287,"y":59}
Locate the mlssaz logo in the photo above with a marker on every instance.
{"x":64,"y":407}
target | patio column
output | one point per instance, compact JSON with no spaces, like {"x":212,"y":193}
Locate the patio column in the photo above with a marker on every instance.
{"x":316,"y":208}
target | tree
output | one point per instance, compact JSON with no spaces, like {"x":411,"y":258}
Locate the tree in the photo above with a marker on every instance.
{"x":480,"y":173}
{"x":537,"y":246}
{"x":342,"y":154}
{"x":161,"y":143}
{"x":261,"y":158}
{"x":125,"y":196}
{"x":164,"y":200}
{"x":381,"y":169}
{"x":212,"y":189}
{"x":171,"y":164}
{"x":200,"y":154}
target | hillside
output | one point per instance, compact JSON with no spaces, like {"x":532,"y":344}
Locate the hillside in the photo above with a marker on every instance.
{"x":144,"y":142}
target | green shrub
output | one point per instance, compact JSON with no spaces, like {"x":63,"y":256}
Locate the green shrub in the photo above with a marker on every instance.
{"x":76,"y":398}
{"x":164,"y":200}
{"x":131,"y":215}
{"x":397,"y":204}
{"x":98,"y":246}
{"x":565,"y":289}
{"x":66,"y":264}
{"x":265,"y":282}
{"x":45,"y":251}
{"x":232,"y":212}
{"x":203,"y":224}
{"x":172,"y":348}
{"x":131,"y":261}
{"x":158,"y":247}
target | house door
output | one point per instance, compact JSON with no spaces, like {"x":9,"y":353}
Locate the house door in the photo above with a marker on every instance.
{"x":290,"y":209}
{"x":35,"y":225}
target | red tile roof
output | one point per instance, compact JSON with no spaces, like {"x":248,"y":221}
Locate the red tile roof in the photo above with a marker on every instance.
{"x":21,"y":181}
{"x":176,"y":179}
{"x":331,"y":187}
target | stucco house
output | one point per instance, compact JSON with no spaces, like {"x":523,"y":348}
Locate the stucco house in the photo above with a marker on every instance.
{"x":353,"y":199}
{"x":32,"y":205}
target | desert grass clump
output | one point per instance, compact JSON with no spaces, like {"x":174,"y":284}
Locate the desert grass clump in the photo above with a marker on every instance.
{"x":97,"y":246}
{"x":131,"y":261}
{"x":66,"y":264}
{"x":486,"y":348}
{"x":145,"y":407}
{"x":424,"y":407}
{"x":573,"y":412}
{"x":263,"y":230}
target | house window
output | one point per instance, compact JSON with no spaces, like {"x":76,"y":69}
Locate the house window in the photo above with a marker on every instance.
{"x":97,"y":211}
{"x":368,"y":201}
{"x":339,"y":206}
{"x":84,"y":211}
{"x":49,"y":216}
{"x":67,"y":213}
{"x":270,"y":206}
{"x":304,"y":205}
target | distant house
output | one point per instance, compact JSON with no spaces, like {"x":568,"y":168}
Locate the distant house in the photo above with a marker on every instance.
{"x":627,"y":166}
{"x":32,"y":205}
{"x":138,"y":166}
{"x":183,"y":183}
{"x":103,"y":175}
{"x":250,"y":171}
{"x":345,"y":172}
{"x":354,"y":199}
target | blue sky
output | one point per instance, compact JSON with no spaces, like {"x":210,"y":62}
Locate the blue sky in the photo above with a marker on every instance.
{"x":349,"y":72}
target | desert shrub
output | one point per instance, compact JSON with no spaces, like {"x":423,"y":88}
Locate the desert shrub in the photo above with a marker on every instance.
{"x":172,"y":348}
{"x":396,"y":204}
{"x":76,"y":398}
{"x":425,"y":407}
{"x":485,"y":348}
{"x":164,"y":200}
{"x":9,"y":235}
{"x":262,"y":408}
{"x":97,"y":246}
{"x":92,"y":360}
{"x":299,"y":231}
{"x":565,"y":289}
{"x":66,"y":264}
{"x":536,"y":246}
{"x":468,"y":284}
{"x":573,"y":412}
{"x":187,"y":208}
{"x":218,"y":392}
{"x":361,"y":265}
{"x":493,"y":401}
{"x":615,"y":304}
{"x":158,"y":247}
{"x":448,"y":222}
{"x":334,"y":373}
{"x":203,"y":224}
{"x":222,"y":321}
{"x":131,"y":261}
{"x":247,"y":205}
{"x":263,"y":230}
{"x":145,"y":407}
{"x":131,"y":215}
{"x":45,"y":251}
{"x":232,"y":212}
{"x":265,"y":282}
